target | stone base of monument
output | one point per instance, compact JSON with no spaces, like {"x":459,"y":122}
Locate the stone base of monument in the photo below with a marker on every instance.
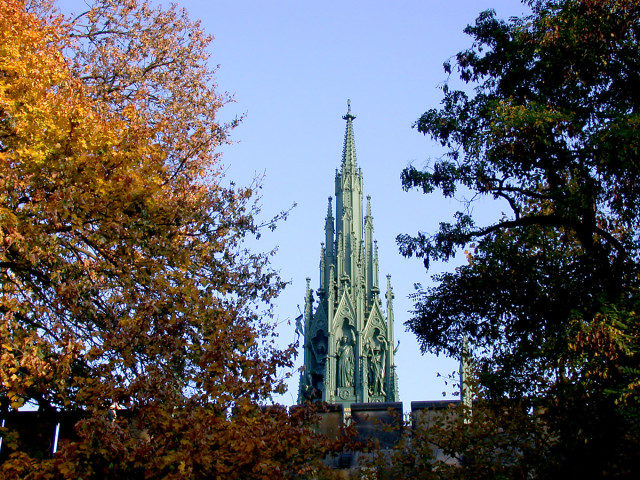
{"x":378,"y":422}
{"x":377,"y":399}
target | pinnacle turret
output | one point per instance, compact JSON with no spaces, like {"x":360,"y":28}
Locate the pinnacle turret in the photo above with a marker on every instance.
{"x":349,"y":150}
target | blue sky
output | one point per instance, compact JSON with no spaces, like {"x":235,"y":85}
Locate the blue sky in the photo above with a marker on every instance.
{"x":292,"y":65}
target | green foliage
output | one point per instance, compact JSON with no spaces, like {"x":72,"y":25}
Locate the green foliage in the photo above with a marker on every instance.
{"x":548,"y":298}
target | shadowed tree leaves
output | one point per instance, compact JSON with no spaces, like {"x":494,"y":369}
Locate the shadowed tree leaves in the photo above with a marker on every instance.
{"x":548,"y":298}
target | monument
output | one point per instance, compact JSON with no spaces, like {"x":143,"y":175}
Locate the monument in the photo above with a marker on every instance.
{"x":348,"y":337}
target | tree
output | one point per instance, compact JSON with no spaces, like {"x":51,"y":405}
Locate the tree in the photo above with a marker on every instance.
{"x":549,"y":296}
{"x":124,"y":280}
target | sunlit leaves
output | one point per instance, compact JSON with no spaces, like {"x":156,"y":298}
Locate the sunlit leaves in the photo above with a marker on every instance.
{"x":124,"y":280}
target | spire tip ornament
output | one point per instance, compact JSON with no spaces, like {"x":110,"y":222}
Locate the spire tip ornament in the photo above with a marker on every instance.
{"x":349,"y":116}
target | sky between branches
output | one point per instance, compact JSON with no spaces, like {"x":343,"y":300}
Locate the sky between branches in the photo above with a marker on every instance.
{"x":292,"y":65}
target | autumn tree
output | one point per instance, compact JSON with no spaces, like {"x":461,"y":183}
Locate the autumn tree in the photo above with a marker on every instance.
{"x":125,"y":285}
{"x":549,"y":296}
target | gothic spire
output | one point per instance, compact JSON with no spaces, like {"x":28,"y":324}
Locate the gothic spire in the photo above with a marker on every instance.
{"x":349,"y":353}
{"x":349,"y":151}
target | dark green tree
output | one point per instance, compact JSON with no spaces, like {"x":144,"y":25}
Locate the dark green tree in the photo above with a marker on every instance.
{"x":549,"y":296}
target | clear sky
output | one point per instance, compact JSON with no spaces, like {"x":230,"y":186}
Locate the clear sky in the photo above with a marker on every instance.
{"x":292,"y":65}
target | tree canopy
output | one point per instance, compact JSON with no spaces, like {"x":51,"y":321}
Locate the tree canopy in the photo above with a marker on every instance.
{"x":124,"y":280}
{"x":549,"y":295}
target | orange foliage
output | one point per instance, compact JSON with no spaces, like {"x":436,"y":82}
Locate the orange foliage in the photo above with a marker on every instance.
{"x":122,"y":274}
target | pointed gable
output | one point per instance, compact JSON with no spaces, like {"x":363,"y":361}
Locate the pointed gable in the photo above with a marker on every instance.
{"x":344,"y":311}
{"x":375,"y":320}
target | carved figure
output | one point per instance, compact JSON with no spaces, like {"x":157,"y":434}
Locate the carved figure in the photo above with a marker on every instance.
{"x":299,"y":328}
{"x":345,"y":363}
{"x":319,"y":351}
{"x":376,"y":371}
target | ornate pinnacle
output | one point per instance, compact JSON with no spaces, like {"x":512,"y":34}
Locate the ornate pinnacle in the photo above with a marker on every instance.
{"x":349,"y":151}
{"x":349,"y":116}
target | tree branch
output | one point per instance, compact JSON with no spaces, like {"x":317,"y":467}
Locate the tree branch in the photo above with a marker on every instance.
{"x":551,"y":221}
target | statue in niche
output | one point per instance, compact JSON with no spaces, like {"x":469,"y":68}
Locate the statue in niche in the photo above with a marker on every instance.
{"x":345,"y":363}
{"x":319,"y":350}
{"x":376,"y":368}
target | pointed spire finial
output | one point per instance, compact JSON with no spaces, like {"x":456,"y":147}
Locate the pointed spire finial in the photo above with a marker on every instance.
{"x":349,"y":151}
{"x":349,"y":116}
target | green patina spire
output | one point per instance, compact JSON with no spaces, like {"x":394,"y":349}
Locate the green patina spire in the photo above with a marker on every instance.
{"x":349,"y":150}
{"x":348,"y":347}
